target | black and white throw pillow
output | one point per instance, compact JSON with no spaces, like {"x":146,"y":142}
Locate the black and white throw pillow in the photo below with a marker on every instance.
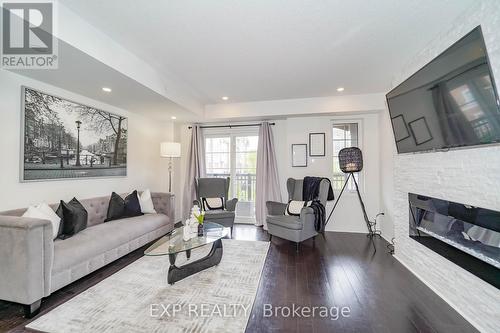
{"x":73,"y":218}
{"x":294,"y":207}
{"x":212,"y":203}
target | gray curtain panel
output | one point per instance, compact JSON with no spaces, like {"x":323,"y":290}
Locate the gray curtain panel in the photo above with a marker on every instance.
{"x":267,"y":186}
{"x":195,"y":168}
{"x":456,"y":129}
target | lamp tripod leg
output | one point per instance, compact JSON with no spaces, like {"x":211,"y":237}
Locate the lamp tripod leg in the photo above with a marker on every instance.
{"x":371,"y":233}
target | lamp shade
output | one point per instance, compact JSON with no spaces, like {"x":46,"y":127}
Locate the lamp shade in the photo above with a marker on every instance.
{"x":351,"y":160}
{"x":170,"y":149}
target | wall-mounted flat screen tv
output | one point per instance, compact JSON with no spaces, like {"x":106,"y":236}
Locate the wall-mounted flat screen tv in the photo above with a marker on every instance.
{"x":451,"y":102}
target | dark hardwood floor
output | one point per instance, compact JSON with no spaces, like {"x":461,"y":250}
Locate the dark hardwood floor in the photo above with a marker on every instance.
{"x":340,"y":270}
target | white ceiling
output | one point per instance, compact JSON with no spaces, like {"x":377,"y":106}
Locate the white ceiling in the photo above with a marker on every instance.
{"x":82,"y":74}
{"x":273,"y":49}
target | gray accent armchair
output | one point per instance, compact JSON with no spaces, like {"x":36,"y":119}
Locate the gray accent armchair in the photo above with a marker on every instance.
{"x":294,"y":228}
{"x":216,"y":188}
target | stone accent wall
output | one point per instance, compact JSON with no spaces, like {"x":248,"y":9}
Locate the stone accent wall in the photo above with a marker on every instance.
{"x":470,"y":176}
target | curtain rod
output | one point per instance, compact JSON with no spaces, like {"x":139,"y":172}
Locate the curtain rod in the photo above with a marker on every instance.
{"x":230,"y":126}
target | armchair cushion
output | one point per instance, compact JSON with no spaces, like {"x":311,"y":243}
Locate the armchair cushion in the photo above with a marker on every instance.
{"x":286,"y":221}
{"x":218,"y":214}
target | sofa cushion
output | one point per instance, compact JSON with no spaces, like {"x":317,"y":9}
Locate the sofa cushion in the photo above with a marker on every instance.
{"x":116,"y":208}
{"x":146,"y":202}
{"x":120,"y":208}
{"x":132,"y":205}
{"x":44,"y":212}
{"x":103,"y":237}
{"x":286,"y":221}
{"x":73,"y":216}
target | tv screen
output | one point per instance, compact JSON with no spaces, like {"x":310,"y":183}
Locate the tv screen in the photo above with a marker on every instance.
{"x":451,"y":102}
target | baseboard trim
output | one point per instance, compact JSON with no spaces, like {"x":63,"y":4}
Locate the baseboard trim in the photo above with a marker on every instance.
{"x":244,"y":220}
{"x":463,"y":314}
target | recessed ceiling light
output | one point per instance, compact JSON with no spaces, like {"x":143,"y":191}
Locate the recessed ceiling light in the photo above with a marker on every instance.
{"x":225,"y":98}
{"x":339,"y":89}
{"x":106,"y":89}
{"x":173,"y":117}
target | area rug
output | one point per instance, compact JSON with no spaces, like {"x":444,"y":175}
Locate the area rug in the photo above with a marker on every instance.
{"x":139,"y":299}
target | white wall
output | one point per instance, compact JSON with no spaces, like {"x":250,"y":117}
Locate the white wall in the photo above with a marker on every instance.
{"x":470,"y":176}
{"x":145,"y":168}
{"x":387,"y":157}
{"x":348,"y":215}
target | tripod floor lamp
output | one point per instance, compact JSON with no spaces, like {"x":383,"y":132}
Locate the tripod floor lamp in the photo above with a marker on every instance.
{"x":351,"y":161}
{"x":170,"y":150}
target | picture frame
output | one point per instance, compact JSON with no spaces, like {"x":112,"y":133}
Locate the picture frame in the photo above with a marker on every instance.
{"x":400,"y":128}
{"x":317,"y":142}
{"x":64,"y":140}
{"x":299,"y":155}
{"x":420,"y":131}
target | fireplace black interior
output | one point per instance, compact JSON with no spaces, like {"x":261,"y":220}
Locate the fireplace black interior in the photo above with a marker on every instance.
{"x":466,"y":235}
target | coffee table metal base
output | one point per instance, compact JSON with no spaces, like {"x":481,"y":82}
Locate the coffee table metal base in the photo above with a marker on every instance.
{"x":213,"y":258}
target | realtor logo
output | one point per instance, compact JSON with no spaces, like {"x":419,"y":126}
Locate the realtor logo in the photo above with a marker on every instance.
{"x":28,"y":40}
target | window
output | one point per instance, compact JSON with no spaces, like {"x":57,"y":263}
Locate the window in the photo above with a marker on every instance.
{"x":217,"y":156}
{"x":344,"y":135}
{"x":235,"y":155}
{"x":472,"y":100}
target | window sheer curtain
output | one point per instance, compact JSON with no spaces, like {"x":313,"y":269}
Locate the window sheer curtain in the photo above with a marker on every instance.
{"x":195,"y":168}
{"x":267,"y":186}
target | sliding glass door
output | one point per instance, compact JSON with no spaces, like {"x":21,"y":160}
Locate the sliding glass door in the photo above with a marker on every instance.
{"x":235,"y":155}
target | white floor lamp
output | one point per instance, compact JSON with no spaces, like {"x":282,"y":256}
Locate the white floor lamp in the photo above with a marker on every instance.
{"x":170,"y":150}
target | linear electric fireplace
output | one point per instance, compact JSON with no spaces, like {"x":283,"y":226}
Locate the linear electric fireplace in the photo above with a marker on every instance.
{"x":466,"y":235}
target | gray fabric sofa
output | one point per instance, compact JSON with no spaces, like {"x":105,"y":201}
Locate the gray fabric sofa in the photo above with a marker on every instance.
{"x":33,"y":266}
{"x":294,"y":228}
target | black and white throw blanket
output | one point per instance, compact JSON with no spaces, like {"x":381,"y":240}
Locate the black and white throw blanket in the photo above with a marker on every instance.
{"x":310,"y":192}
{"x":310,"y":188}
{"x":319,"y":215}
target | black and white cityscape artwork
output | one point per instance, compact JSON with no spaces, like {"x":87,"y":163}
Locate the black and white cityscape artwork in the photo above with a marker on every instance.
{"x":64,"y":139}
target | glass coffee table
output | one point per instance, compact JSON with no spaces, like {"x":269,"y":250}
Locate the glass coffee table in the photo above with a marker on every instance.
{"x":173,"y":244}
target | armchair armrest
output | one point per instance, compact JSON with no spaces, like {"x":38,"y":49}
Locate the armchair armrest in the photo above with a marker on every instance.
{"x":231,"y":204}
{"x":275,"y":208}
{"x":27,"y":250}
{"x":164,"y":204}
{"x":307,"y":217}
{"x":304,"y":212}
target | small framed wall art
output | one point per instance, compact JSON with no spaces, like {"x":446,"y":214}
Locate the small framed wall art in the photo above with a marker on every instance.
{"x":299,"y":155}
{"x":317,"y":144}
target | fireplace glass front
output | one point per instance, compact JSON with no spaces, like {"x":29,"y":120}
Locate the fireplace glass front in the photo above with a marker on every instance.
{"x":469,"y":236}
